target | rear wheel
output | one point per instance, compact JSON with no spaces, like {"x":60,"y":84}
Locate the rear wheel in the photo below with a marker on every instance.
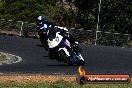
{"x":44,"y":43}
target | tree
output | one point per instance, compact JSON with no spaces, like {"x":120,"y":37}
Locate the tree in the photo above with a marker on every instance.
{"x":115,"y":16}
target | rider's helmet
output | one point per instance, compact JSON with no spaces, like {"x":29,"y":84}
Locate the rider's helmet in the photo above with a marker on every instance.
{"x":40,"y":19}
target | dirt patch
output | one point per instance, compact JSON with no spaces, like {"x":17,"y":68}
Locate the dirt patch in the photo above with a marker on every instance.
{"x":36,"y":78}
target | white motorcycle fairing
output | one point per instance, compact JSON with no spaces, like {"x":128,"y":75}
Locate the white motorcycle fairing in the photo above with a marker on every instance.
{"x":55,"y":42}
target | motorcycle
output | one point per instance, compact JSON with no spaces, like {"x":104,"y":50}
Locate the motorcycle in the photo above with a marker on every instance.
{"x":61,"y":50}
{"x":43,"y":35}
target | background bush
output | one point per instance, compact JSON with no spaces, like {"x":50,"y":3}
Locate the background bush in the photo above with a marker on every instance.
{"x":115,"y":16}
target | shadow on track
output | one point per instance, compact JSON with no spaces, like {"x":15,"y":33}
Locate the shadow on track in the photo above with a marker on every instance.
{"x":39,"y":45}
{"x":46,"y":56}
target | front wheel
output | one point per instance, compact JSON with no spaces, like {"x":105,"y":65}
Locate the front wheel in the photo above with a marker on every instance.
{"x":81,"y":63}
{"x":77,"y":59}
{"x":53,"y":54}
{"x":65,"y":58}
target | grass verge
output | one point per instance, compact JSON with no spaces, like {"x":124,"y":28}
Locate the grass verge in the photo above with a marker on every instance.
{"x":60,"y":84}
{"x":2,"y":57}
{"x":49,"y":81}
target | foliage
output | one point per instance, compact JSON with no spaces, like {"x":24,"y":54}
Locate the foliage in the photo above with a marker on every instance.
{"x":25,"y":10}
{"x":115,"y":15}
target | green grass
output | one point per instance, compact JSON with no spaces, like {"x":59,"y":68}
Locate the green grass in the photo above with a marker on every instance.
{"x":61,"y":84}
{"x":2,"y":57}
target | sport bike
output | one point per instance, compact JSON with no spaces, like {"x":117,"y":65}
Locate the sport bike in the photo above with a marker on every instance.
{"x":60,"y":49}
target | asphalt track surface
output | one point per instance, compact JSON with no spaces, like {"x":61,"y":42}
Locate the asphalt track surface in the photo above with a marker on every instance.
{"x":99,"y":59}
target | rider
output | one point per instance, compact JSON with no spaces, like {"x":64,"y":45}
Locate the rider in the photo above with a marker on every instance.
{"x":42,"y":28}
{"x":65,"y":33}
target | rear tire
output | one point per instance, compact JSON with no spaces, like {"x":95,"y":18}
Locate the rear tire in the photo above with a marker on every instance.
{"x":43,"y":40}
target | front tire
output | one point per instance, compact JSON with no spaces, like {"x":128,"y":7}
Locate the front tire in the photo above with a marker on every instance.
{"x":65,"y":58}
{"x":53,"y":54}
{"x":81,"y":63}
